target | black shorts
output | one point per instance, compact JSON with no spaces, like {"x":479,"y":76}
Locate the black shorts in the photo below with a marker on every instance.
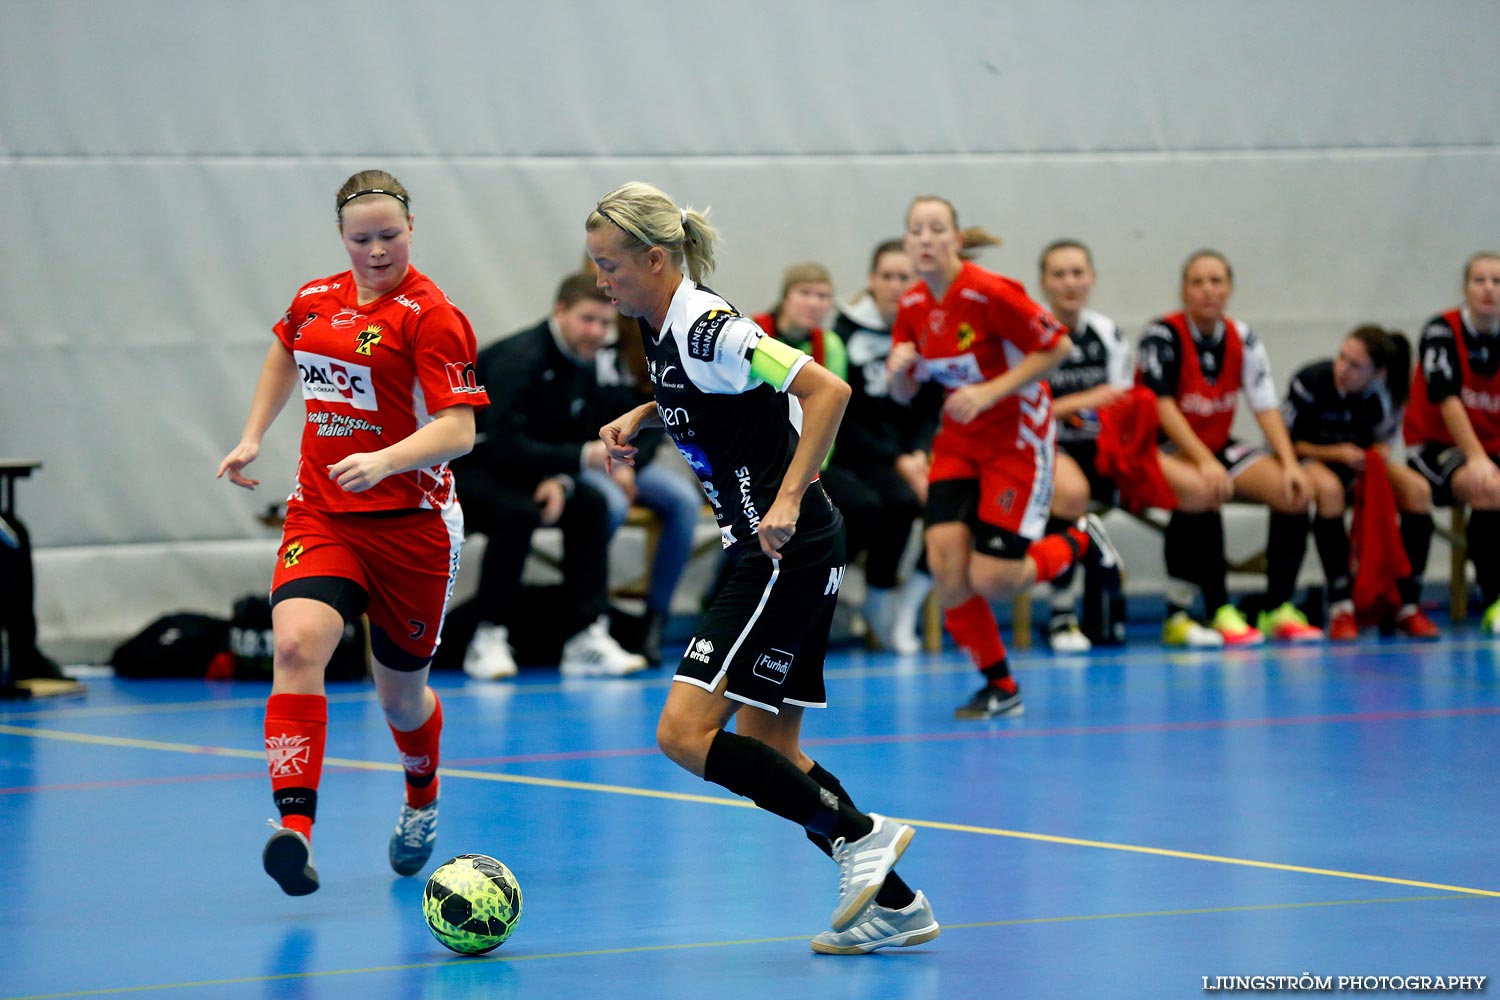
{"x":1437,"y":464}
{"x":1235,"y":456}
{"x":957,"y":501}
{"x":1102,"y":489}
{"x":768,"y":627}
{"x":1347,"y":475}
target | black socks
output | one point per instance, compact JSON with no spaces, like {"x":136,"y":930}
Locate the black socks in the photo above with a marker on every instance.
{"x":894,"y":893}
{"x":751,"y":769}
{"x":1194,"y":551}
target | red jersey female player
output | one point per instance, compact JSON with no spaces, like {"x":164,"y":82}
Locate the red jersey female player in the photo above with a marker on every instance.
{"x":386,"y":365}
{"x":988,"y":344}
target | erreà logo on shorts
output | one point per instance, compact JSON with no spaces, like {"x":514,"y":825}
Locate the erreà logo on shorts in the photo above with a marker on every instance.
{"x":773,"y":665}
{"x":700,"y":649}
{"x":334,"y":381}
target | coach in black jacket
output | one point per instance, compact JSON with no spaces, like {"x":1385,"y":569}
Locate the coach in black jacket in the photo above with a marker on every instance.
{"x":540,"y":431}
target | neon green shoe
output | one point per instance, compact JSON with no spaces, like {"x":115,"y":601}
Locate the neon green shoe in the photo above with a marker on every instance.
{"x":1231,"y":624}
{"x":1490,"y":623}
{"x":1180,"y":630}
{"x":1287,"y":624}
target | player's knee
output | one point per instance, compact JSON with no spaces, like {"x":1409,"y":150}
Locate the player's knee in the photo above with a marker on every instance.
{"x":1069,"y":504}
{"x":682,"y":741}
{"x":1330,"y":500}
{"x":1287,"y":505}
{"x":298,"y":650}
{"x":998,"y":579}
{"x":402,"y":703}
{"x":1416,"y":498}
{"x":1196,"y":497}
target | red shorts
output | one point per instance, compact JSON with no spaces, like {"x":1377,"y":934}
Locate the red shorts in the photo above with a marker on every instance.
{"x":406,"y":564}
{"x":1015,"y":484}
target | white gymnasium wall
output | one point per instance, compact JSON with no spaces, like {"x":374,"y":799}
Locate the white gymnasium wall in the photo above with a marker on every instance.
{"x":167,"y":172}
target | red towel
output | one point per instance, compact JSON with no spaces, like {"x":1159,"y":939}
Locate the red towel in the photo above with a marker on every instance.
{"x":1377,"y":556}
{"x":1128,"y":452}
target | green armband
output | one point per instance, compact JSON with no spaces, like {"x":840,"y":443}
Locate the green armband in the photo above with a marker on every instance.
{"x":773,"y":361}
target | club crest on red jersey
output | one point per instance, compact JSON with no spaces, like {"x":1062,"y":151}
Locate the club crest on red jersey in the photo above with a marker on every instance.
{"x":366,"y":339}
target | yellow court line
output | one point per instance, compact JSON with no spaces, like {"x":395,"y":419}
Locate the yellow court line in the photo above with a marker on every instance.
{"x":1192,"y":856}
{"x":715,"y":800}
{"x":657,"y":948}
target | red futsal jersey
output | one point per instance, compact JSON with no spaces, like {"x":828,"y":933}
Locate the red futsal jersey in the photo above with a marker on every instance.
{"x":1208,"y":408}
{"x":985,"y":325}
{"x":372,"y":375}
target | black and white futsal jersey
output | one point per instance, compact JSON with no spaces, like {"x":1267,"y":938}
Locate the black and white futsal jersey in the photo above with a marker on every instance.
{"x":737,"y":432}
{"x":1100,"y":356}
{"x":1317,"y":413}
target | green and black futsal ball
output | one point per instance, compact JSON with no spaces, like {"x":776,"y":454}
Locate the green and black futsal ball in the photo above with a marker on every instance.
{"x":472,"y":903}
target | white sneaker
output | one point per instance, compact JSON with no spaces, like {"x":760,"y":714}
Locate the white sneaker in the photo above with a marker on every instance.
{"x":593,"y":652}
{"x":884,"y":610}
{"x":907,"y":613}
{"x":878,"y":927}
{"x":1064,"y":635}
{"x":864,"y":864}
{"x":489,"y":657}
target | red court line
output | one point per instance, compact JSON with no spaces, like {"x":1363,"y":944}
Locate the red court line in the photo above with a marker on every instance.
{"x":561,"y":755}
{"x":1164,"y":727}
{"x":984,"y":734}
{"x":171,"y":779}
{"x":94,"y":786}
{"x":1016,"y":733}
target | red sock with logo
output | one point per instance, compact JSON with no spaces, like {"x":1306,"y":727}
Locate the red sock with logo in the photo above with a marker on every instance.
{"x":972,"y":625}
{"x":1053,"y":554}
{"x":296,"y":730}
{"x":419,"y":756}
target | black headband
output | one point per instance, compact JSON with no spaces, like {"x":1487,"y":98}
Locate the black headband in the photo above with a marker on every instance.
{"x":610,"y":219}
{"x":682,"y":212}
{"x":359,"y":194}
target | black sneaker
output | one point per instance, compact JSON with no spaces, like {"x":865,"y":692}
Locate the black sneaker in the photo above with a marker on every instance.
{"x":288,"y":859}
{"x":989,"y":702}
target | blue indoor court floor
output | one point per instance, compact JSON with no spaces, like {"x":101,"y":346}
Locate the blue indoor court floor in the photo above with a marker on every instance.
{"x":1153,"y":819}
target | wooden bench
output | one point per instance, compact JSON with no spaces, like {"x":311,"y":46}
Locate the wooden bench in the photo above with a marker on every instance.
{"x":1456,"y":536}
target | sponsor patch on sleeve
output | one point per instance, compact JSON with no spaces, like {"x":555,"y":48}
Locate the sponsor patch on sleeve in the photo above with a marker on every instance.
{"x":703,"y":337}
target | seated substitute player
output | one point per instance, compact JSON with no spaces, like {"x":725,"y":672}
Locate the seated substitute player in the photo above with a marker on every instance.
{"x":1197,"y":361}
{"x":881,"y":454}
{"x":531,"y":467}
{"x":1453,"y":421}
{"x":1335,"y":410}
{"x":758,"y":416}
{"x":1096,"y":373}
{"x":798,"y":318}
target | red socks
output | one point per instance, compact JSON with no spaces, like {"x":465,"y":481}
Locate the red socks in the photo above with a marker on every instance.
{"x":1053,"y":554}
{"x":419,"y":757}
{"x":972,"y":625}
{"x":296,"y":729}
